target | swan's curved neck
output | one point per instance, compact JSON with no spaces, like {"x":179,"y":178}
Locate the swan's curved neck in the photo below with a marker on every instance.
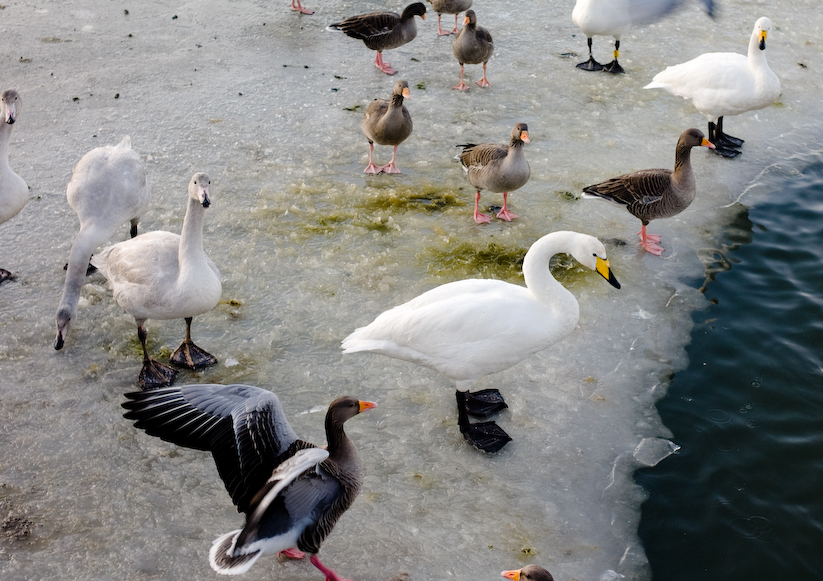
{"x":191,"y":237}
{"x":5,"y":137}
{"x":756,"y":57}
{"x":536,"y":271}
{"x":81,"y":249}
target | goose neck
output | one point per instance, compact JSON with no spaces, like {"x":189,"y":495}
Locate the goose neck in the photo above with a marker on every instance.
{"x":683,"y":173}
{"x":341,"y":449}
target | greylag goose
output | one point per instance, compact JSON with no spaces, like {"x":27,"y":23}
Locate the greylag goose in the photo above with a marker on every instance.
{"x":292,"y":492}
{"x":387,"y":123}
{"x":614,"y":18}
{"x":472,"y":45}
{"x":108,"y":187}
{"x":528,"y":573}
{"x":725,"y":83}
{"x":449,"y":7}
{"x":649,"y":194}
{"x":14,"y":193}
{"x":160,"y":275}
{"x":383,"y":30}
{"x":497,"y":167}
{"x":472,"y":328}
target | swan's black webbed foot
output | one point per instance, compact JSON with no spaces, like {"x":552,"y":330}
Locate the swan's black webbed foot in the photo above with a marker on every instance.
{"x":483,"y":403}
{"x":725,"y":151}
{"x":155,"y":375}
{"x":590,"y":65}
{"x":614,"y":68}
{"x":191,"y":356}
{"x":485,"y":436}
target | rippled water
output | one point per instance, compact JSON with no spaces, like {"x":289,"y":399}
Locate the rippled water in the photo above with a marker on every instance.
{"x":747,"y":411}
{"x":269,"y":104}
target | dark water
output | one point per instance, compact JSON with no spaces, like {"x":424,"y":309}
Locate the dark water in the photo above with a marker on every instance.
{"x":743,"y":499}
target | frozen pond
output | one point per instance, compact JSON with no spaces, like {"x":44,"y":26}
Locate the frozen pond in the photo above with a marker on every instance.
{"x":309,"y":248}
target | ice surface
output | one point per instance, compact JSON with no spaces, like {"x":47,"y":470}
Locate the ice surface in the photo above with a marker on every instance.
{"x":310,"y":248}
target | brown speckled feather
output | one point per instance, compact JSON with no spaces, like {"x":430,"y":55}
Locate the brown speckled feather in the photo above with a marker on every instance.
{"x":382,"y":30}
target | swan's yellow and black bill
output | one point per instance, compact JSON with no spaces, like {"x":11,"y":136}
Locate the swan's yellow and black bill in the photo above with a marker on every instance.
{"x":514,"y":574}
{"x":762,"y":40}
{"x":606,"y":271}
{"x":367,"y":405}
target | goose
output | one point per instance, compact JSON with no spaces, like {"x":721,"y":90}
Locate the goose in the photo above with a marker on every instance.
{"x":387,"y":123}
{"x":108,"y":187}
{"x":292,"y":492}
{"x":383,"y":30}
{"x":449,"y":7}
{"x":528,"y":573}
{"x":160,"y":275}
{"x":472,"y":328}
{"x":655,"y":193}
{"x":14,"y":193}
{"x":725,"y":83}
{"x":472,"y":45}
{"x":614,"y":18}
{"x":497,"y":167}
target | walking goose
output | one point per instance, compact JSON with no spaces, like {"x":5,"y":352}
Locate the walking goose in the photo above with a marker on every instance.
{"x":387,"y":123}
{"x":473,"y":45}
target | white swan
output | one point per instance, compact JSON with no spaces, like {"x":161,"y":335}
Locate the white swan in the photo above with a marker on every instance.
{"x":108,"y":187}
{"x":725,"y":83}
{"x":160,"y":275}
{"x":615,"y":18}
{"x":472,"y":328}
{"x":14,"y":193}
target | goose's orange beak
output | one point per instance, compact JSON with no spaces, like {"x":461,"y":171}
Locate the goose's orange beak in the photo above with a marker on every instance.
{"x":524,"y":136}
{"x":367,"y":405}
{"x":514,"y":575}
{"x":406,"y":93}
{"x":707,"y":143}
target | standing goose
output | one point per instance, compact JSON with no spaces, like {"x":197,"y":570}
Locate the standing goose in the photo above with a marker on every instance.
{"x":387,"y":123}
{"x":472,"y":45}
{"x":471,"y":328}
{"x":108,"y":187}
{"x":292,"y":492}
{"x":383,"y":30}
{"x":649,"y":194}
{"x":528,"y":573}
{"x":725,"y":83}
{"x":160,"y":275}
{"x":14,"y":193}
{"x":449,"y":7}
{"x":498,"y":168}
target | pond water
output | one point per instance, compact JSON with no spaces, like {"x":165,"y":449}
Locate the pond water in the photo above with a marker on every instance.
{"x":269,"y":104}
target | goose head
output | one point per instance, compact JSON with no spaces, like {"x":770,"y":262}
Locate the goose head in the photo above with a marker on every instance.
{"x":200,"y":188}
{"x":412,"y":10}
{"x":761,"y":29}
{"x":470,"y":19}
{"x":401,"y":88}
{"x":591,"y":253}
{"x":11,"y":105}
{"x":694,"y":138}
{"x":528,"y":573}
{"x":346,"y":407}
{"x":520,"y":133}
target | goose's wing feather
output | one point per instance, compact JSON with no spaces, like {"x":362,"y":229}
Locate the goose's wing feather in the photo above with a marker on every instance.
{"x":243,"y":426}
{"x":483,"y":154}
{"x":637,"y":188}
{"x":483,"y":35}
{"x":368,"y":26}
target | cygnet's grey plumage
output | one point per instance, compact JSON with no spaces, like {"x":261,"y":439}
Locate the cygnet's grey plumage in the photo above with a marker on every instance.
{"x":14,"y":193}
{"x":497,"y":167}
{"x":650,"y":194}
{"x":449,"y":7}
{"x":108,"y":187}
{"x":383,"y":30}
{"x":292,"y":492}
{"x":473,"y":45}
{"x":387,"y":122}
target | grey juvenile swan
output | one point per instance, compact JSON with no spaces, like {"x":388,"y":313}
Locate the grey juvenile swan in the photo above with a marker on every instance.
{"x":14,"y":193}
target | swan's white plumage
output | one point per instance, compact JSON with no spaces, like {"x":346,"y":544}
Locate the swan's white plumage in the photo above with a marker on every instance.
{"x":14,"y":193}
{"x":472,"y":328}
{"x":602,"y":17}
{"x":723,"y":83}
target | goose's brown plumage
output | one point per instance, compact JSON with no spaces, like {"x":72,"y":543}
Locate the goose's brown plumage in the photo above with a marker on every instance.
{"x":528,"y":573}
{"x":497,"y":167}
{"x":655,"y":193}
{"x":292,"y":492}
{"x":383,"y":30}
{"x":387,"y":122}
{"x":473,"y":45}
{"x":449,"y":7}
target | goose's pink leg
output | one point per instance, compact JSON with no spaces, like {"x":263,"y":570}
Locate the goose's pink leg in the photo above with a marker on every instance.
{"x":295,"y":5}
{"x":385,"y":67}
{"x":647,"y":241}
{"x":462,"y":86}
{"x":484,"y":82}
{"x":371,"y":168}
{"x":504,"y":214}
{"x":478,"y":217}
{"x":293,"y":553}
{"x":329,"y":573}
{"x":454,"y":30}
{"x":390,"y":167}
{"x":440,"y":31}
